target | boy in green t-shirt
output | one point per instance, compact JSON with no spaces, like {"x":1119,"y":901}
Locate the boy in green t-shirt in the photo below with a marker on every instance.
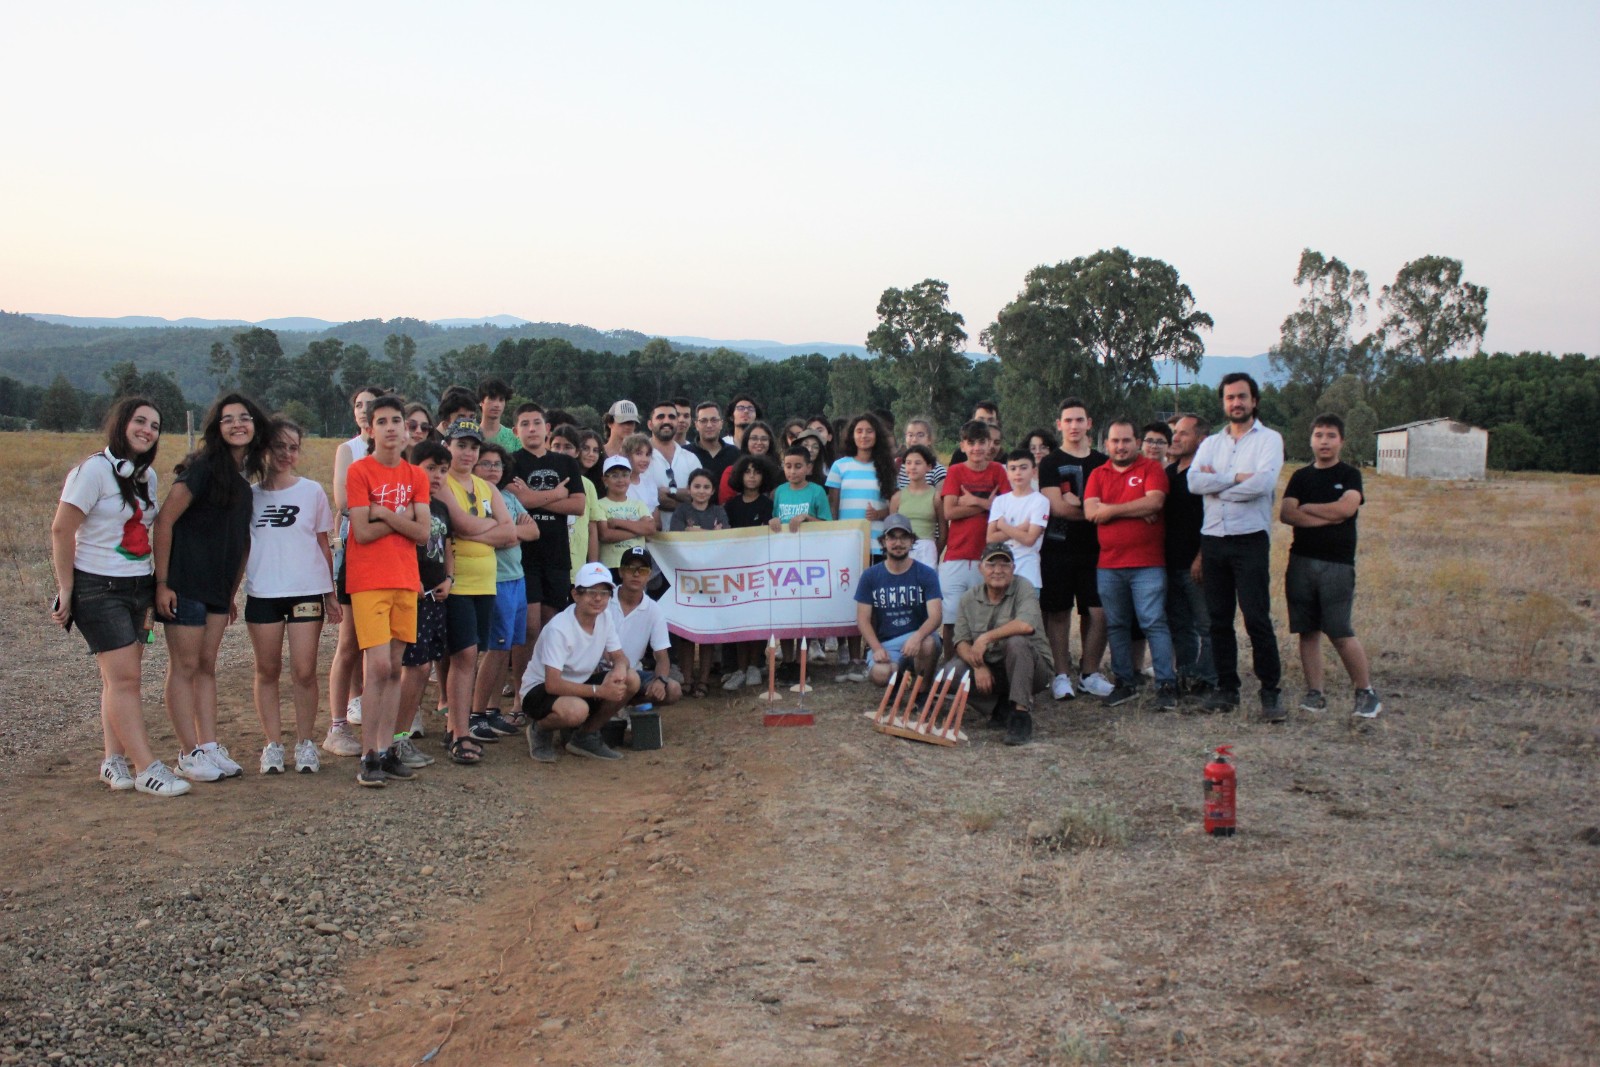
{"x":799,"y":499}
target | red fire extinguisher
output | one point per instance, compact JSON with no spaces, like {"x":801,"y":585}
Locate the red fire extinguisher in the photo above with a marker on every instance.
{"x":1219,"y":793}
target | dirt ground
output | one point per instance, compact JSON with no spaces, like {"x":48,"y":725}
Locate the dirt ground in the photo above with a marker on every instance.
{"x":1423,"y":892}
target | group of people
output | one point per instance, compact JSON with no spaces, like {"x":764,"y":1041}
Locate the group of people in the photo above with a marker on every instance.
{"x":501,"y":559}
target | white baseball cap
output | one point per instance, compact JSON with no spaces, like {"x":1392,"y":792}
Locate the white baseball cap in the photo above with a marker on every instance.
{"x":592,"y":574}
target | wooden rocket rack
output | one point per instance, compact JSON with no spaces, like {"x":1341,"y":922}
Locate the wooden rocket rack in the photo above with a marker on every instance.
{"x":937,"y":724}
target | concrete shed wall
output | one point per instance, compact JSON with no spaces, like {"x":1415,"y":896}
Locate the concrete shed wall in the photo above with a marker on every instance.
{"x":1392,"y":453}
{"x":1453,"y":450}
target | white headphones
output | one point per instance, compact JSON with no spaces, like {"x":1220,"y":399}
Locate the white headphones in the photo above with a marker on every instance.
{"x":122,"y":468}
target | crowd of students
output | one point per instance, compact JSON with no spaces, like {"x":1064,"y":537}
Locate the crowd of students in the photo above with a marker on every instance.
{"x":513,"y":558}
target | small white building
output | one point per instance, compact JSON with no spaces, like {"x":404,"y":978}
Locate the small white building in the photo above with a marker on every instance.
{"x":1434,"y":448}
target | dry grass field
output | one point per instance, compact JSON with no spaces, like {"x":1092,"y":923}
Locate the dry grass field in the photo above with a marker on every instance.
{"x":1424,"y":891}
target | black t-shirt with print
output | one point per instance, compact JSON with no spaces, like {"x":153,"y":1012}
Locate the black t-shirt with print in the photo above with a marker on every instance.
{"x":540,"y":474}
{"x":1325,"y":485}
{"x":1077,"y":537}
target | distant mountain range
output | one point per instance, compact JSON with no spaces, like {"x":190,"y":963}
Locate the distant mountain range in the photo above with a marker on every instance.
{"x":83,"y":346}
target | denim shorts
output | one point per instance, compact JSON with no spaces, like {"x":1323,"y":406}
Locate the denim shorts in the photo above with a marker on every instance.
{"x":112,"y":613}
{"x":192,"y":612}
{"x":509,"y":626}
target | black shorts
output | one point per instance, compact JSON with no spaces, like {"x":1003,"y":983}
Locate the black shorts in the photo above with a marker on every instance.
{"x":549,"y":584}
{"x":112,"y":613}
{"x":1321,"y":596}
{"x":467,"y":621}
{"x":1067,"y":581}
{"x":266,"y":610}
{"x":431,"y":634}
{"x":537,"y":703}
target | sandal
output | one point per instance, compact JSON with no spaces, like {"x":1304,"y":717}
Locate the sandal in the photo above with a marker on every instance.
{"x":517,"y":719}
{"x":465,"y":751}
{"x":698,"y":691}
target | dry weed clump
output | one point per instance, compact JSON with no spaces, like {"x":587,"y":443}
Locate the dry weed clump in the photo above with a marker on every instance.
{"x":1531,"y":623}
{"x":1080,"y":826}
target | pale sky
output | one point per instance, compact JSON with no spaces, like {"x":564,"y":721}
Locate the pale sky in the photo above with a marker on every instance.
{"x":743,"y":171}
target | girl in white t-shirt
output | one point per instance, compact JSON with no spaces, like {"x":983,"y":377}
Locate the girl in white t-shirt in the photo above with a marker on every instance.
{"x":289,"y":587}
{"x":105,"y":583}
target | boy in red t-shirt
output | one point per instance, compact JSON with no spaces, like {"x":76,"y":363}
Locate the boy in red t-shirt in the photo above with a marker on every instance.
{"x":1125,"y":499}
{"x":389,"y":518}
{"x":969,"y":488}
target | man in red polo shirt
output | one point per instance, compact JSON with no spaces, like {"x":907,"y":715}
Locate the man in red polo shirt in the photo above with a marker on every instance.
{"x":1124,"y":499}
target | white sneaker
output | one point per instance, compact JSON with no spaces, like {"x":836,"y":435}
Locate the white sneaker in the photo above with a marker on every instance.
{"x":306,"y":760}
{"x":341,"y":741}
{"x":1095,"y":684}
{"x":115,"y":773}
{"x":418,"y":724}
{"x":830,"y":645}
{"x":856,"y":673}
{"x":197,"y":768}
{"x":844,"y":653}
{"x":352,"y":711}
{"x":218,"y":755}
{"x":733,"y":681}
{"x":159,"y":781}
{"x":272,"y":758}
{"x":1061,"y":688}
{"x":752,"y":675}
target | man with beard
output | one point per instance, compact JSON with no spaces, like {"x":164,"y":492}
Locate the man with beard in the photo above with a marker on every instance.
{"x":1124,"y":500}
{"x":1236,"y":473}
{"x":898,"y":606}
{"x":670,"y":464}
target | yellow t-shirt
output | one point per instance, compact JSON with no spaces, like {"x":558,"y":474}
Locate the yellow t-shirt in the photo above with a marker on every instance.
{"x":475,"y":561}
{"x":578,"y":532}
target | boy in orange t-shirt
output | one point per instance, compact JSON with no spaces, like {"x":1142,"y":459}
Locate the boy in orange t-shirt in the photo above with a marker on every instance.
{"x":389,"y":518}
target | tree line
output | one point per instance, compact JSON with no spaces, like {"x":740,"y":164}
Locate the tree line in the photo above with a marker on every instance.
{"x":1102,"y":327}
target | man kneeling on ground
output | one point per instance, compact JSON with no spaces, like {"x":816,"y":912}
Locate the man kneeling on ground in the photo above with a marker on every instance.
{"x":898,"y":607}
{"x":642,"y":627}
{"x":578,"y":677}
{"x":1000,"y":641}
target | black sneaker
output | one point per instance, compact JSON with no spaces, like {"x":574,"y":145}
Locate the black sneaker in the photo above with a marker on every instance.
{"x":1220,"y":701}
{"x":497,"y":723}
{"x":1367,"y":704}
{"x":1313,"y":700}
{"x":1167,"y":697}
{"x":541,"y":744}
{"x":1272,"y":706}
{"x":592,"y":746}
{"x":393,"y":766}
{"x":371,"y":772}
{"x":479,"y":730}
{"x":1120,"y":693}
{"x":1000,"y":717}
{"x":1019,"y":728}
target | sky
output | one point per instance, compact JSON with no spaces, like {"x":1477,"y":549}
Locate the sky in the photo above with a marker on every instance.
{"x":756,"y":171}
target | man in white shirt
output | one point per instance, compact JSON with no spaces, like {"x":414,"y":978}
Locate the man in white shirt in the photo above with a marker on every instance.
{"x":1236,"y":472}
{"x":670,"y":463}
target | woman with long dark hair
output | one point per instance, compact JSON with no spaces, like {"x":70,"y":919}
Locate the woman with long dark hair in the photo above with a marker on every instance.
{"x":860,"y":483}
{"x":202,"y":540}
{"x":756,"y":439}
{"x":344,"y":671}
{"x":100,"y":548}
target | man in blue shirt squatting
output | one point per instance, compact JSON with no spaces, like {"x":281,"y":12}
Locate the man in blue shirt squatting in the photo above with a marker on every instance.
{"x":898,"y":607}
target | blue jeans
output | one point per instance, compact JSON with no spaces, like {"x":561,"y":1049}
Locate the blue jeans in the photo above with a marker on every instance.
{"x":1130,"y":594}
{"x":1190,"y":622}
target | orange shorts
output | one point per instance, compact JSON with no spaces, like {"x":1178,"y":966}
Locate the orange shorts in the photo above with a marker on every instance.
{"x":383,"y":615}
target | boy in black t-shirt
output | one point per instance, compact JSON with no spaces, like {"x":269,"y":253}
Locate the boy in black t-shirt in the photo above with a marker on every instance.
{"x":436,"y":568}
{"x":1321,"y":502}
{"x":550,"y":486}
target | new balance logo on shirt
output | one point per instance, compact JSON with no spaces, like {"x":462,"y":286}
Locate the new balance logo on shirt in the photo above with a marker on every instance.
{"x":278,"y":516}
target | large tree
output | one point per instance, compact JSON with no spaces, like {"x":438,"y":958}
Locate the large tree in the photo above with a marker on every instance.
{"x":1430,"y":315}
{"x":62,"y":408}
{"x":922,"y":342}
{"x":262,"y":368}
{"x":1094,"y":327}
{"x":1315,"y":345}
{"x":400,"y":349}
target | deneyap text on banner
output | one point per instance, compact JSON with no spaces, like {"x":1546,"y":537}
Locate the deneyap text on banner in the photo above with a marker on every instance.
{"x":746,"y":585}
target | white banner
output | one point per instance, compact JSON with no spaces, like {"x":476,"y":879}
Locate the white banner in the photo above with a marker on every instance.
{"x":747,"y":585}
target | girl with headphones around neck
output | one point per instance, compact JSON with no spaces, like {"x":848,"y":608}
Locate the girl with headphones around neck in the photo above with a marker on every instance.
{"x":202,"y":540}
{"x":100,"y":547}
